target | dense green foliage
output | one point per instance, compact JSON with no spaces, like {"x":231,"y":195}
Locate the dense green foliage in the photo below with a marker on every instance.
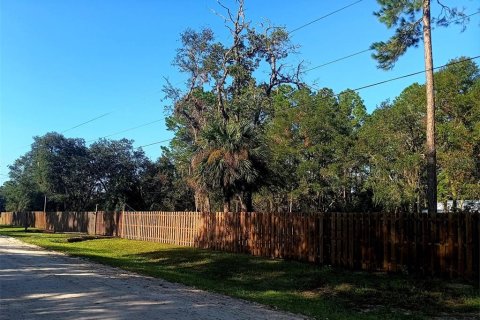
{"x":220,"y":118}
{"x":270,"y":143}
{"x":406,"y":18}
{"x":108,"y":175}
{"x":393,"y":140}
{"x":313,"y":151}
{"x":413,"y":22}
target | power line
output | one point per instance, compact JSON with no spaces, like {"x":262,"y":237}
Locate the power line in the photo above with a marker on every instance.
{"x":324,"y":16}
{"x":370,"y":49}
{"x":78,"y":125}
{"x":365,"y":86}
{"x":101,"y":116}
{"x":464,"y":17}
{"x":153,"y":143}
{"x":308,"y":70}
{"x":357,"y":89}
{"x":338,"y":94}
{"x":413,"y":74}
{"x":126,"y":130}
{"x":83,"y":123}
{"x":339,"y":59}
{"x":401,"y":77}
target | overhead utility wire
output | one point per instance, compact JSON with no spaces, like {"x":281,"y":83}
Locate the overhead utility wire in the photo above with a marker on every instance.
{"x":83,"y":123}
{"x":369,"y":49}
{"x":291,"y":31}
{"x":296,"y":29}
{"x":324,"y":16}
{"x":366,"y":86}
{"x":308,"y":70}
{"x":126,"y":130}
{"x":414,"y":73}
{"x":78,"y":125}
{"x":158,"y":142}
{"x":404,"y":76}
{"x":339,"y":59}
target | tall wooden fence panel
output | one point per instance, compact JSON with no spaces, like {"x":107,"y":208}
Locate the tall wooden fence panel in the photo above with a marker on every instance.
{"x":178,"y":228}
{"x":446,"y":245}
{"x":30,"y":218}
{"x":95,"y":223}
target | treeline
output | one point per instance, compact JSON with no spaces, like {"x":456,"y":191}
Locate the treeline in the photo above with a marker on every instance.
{"x":319,"y":151}
{"x":107,"y":175}
{"x":272,"y":143}
{"x":291,"y":149}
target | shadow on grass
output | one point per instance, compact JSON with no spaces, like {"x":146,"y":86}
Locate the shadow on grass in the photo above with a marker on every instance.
{"x":18,"y":232}
{"x":296,"y":285}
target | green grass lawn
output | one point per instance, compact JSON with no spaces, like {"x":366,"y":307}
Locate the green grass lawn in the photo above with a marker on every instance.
{"x":319,"y":292}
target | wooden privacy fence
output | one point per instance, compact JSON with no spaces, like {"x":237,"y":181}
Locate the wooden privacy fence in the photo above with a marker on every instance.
{"x":445,"y":245}
{"x":31,"y":219}
{"x":98,"y":223}
{"x":180,"y":228}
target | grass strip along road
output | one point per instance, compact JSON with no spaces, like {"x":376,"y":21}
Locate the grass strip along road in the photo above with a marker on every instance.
{"x":318,"y":292}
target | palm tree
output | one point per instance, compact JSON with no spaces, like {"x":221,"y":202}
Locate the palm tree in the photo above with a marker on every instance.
{"x":229,"y":159}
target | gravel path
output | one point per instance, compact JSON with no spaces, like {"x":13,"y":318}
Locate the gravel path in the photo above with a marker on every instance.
{"x":40,"y":284}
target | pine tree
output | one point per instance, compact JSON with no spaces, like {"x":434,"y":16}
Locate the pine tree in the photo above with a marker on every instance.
{"x":413,"y":22}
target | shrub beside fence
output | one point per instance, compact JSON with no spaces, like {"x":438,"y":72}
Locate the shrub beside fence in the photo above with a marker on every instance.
{"x":446,"y":245}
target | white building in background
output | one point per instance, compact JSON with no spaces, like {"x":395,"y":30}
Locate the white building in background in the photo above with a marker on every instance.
{"x":464,"y":205}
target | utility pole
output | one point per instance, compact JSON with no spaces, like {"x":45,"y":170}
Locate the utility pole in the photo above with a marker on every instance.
{"x":45,"y":204}
{"x":431,"y":150}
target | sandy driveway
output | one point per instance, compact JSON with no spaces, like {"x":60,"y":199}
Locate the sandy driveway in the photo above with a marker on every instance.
{"x":39,"y":284}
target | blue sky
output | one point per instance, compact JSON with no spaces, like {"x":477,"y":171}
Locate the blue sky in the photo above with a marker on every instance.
{"x":64,"y":62}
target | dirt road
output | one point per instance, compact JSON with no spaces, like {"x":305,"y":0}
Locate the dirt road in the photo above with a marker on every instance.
{"x":40,"y":284}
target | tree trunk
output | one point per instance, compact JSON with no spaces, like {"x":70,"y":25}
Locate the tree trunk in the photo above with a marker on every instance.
{"x":206,"y":207}
{"x":226,"y":205}
{"x":290,"y":203}
{"x":25,"y":221}
{"x":227,"y":197}
{"x":430,"y":152}
{"x":243,"y":205}
{"x":248,"y":201}
{"x":196,"y":201}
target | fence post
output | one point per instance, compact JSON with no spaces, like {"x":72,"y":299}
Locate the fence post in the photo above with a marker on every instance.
{"x":123,"y":223}
{"x":476,"y":249}
{"x":95,"y":228}
{"x":25,"y":220}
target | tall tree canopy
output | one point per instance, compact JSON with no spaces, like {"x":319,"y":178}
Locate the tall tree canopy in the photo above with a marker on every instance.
{"x":313,"y":151}
{"x":394,"y":141}
{"x":108,"y":175}
{"x":214,"y":119}
{"x":412,"y":19}
{"x":312,"y":138}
